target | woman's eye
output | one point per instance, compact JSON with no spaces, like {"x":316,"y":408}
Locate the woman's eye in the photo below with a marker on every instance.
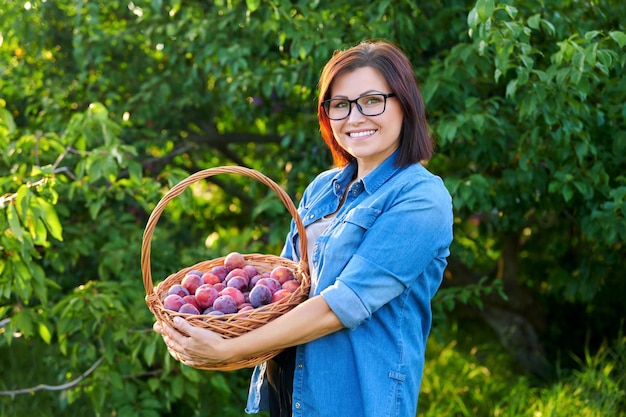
{"x":340,"y":104}
{"x":372,"y":100}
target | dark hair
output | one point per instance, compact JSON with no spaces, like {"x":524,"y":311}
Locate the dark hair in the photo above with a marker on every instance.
{"x":415,"y":141}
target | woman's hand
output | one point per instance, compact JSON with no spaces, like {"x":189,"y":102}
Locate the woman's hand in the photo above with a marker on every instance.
{"x":192,"y":345}
{"x":197,"y":347}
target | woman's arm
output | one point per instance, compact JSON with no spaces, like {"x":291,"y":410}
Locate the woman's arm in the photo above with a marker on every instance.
{"x":308,"y":321}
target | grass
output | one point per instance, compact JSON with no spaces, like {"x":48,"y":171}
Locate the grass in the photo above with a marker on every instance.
{"x":469,"y":377}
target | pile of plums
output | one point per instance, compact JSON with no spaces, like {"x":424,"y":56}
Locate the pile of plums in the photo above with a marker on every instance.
{"x":229,"y":288}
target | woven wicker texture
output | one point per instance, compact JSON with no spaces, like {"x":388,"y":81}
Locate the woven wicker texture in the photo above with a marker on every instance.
{"x":236,"y":324}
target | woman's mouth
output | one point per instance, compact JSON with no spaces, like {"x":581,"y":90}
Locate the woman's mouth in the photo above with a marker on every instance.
{"x":361,"y":134}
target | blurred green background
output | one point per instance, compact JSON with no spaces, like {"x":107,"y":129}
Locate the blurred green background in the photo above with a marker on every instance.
{"x":106,"y":105}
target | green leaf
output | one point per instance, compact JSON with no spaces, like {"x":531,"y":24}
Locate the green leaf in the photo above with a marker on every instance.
{"x":7,"y":120}
{"x":619,"y":37}
{"x":45,"y":333}
{"x":485,"y":9}
{"x":50,"y":218}
{"x":149,"y":352}
{"x":23,"y":321}
{"x":253,"y":5}
{"x":178,"y":385}
{"x":135,"y":170}
{"x":591,"y":34}
{"x":14,"y":223}
{"x":567,"y":192}
{"x":472,"y":18}
{"x":511,"y":87}
{"x":534,"y":21}
{"x":154,"y":384}
{"x":95,"y":206}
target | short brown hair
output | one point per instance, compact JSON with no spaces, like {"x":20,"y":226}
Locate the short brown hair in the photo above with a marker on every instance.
{"x":415,"y":143}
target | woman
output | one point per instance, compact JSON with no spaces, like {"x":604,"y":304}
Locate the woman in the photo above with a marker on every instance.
{"x":379,"y":227}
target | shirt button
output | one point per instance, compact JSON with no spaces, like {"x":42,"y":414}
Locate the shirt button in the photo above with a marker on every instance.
{"x":298,"y":405}
{"x":299,"y":366}
{"x":311,"y":216}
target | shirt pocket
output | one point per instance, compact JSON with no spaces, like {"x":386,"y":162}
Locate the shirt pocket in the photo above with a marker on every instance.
{"x":349,"y":234}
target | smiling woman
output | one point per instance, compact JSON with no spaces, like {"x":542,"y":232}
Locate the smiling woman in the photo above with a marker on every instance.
{"x":379,"y":227}
{"x":371,"y":134}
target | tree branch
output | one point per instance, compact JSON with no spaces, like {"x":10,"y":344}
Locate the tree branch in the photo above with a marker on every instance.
{"x":55,"y":387}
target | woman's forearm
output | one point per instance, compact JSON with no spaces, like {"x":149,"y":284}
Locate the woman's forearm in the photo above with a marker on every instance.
{"x":308,"y":321}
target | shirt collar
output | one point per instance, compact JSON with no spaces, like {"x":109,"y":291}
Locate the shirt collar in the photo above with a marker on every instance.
{"x":372,"y":181}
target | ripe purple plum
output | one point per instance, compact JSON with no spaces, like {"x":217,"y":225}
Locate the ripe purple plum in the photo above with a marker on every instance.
{"x":234,"y":293}
{"x":192,"y":282}
{"x":210,"y":278}
{"x":220,"y":271}
{"x":260,"y":295}
{"x":279,"y":295}
{"x":226,"y":304}
{"x":173,"y":302}
{"x":282,"y":274}
{"x":178,"y":289}
{"x":195,"y":272}
{"x":188,"y":309}
{"x":191,"y":299}
{"x":238,"y":282}
{"x":255,"y":279}
{"x":250,"y":270}
{"x":234,"y":260}
{"x":219,"y":286}
{"x":206,"y":295}
{"x":270,"y":283}
{"x":215,"y":313}
{"x":237,"y":272}
{"x":291,"y":285}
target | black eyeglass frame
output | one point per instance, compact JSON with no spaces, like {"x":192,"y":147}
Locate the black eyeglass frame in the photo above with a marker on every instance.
{"x":326,"y":104}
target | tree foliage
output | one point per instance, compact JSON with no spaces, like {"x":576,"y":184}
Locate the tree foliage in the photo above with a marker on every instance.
{"x":108,"y":104}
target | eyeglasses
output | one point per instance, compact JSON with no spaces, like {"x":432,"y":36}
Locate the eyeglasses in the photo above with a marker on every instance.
{"x":368,"y":105}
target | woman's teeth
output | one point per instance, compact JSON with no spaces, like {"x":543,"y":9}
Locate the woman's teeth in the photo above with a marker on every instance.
{"x":361,"y":134}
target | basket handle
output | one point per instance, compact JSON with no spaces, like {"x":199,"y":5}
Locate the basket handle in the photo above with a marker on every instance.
{"x":182,"y":186}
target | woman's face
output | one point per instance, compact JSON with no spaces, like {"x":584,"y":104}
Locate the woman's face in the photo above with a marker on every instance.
{"x":370,"y":139}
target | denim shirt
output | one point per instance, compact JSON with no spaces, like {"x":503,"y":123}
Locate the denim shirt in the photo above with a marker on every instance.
{"x":377,"y":265}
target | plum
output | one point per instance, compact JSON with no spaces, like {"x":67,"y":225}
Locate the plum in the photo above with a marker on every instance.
{"x":178,"y":289}
{"x":270,"y":283}
{"x":235,"y":294}
{"x":192,"y":282}
{"x":210,"y":278}
{"x":250,"y":270}
{"x":191,"y":299}
{"x":206,"y":295}
{"x":291,"y":285}
{"x":280,"y":294}
{"x":188,"y":309}
{"x":220,"y":271}
{"x":260,"y":295}
{"x":282,"y":274}
{"x":238,"y":282}
{"x":226,"y":304}
{"x":234,"y":260}
{"x":173,"y":302}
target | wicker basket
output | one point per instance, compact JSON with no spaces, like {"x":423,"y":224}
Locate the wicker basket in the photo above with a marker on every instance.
{"x":236,"y":324}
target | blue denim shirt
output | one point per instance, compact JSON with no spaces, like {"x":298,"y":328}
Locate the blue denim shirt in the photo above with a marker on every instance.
{"x":377,"y":265}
